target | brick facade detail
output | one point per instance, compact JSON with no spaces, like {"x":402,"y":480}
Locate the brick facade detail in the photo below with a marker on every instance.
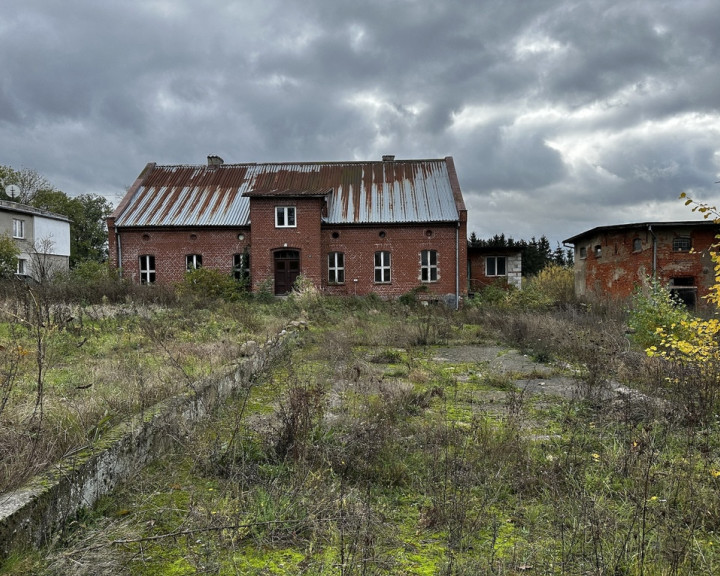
{"x":356,"y":209}
{"x":611,"y":262}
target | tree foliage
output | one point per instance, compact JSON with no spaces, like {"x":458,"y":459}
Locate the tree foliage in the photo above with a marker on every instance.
{"x":694,"y":343}
{"x":30,"y":183}
{"x":8,"y":256}
{"x":87,"y":213}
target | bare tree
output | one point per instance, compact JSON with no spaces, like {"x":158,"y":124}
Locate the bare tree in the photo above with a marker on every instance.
{"x":42,"y":259}
{"x":28,"y":181}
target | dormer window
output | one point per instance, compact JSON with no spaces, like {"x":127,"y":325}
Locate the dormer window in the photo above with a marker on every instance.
{"x":285,"y":217}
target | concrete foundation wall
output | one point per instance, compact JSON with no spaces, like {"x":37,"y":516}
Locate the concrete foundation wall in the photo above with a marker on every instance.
{"x":31,"y":515}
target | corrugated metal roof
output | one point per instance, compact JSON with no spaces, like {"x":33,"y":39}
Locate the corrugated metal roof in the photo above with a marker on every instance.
{"x":402,"y":191}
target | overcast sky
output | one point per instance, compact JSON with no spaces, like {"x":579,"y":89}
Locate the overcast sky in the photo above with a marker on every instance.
{"x":561,"y":115}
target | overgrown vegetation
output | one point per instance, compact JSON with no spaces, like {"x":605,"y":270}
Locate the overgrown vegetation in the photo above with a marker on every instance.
{"x":394,"y":438}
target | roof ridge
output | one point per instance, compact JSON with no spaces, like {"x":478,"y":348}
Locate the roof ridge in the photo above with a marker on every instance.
{"x":303,"y":163}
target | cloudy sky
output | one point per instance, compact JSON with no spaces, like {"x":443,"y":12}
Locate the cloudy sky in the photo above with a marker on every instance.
{"x":561,"y":115}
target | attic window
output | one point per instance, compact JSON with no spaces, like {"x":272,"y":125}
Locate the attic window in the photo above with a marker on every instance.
{"x":335,"y":235}
{"x":285,"y":217}
{"x":428,"y":233}
{"x":382,"y":234}
{"x":598,"y":251}
{"x":583,"y":252}
{"x":637,"y":245}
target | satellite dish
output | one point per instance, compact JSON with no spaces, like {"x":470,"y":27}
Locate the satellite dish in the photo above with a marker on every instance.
{"x":12,"y":190}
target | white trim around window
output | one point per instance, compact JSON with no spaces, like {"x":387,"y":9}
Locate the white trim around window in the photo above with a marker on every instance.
{"x":147,"y":269}
{"x":18,"y":228}
{"x":285,"y":217}
{"x":428,"y":266}
{"x":382,"y":267}
{"x":336,"y":268}
{"x":193,"y":262}
{"x":495,"y":266}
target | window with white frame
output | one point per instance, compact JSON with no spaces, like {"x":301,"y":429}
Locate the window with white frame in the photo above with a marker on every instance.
{"x":336,"y":268}
{"x":285,"y":217}
{"x":21,"y":268}
{"x":241,"y":266}
{"x":193,"y":262}
{"x":682,"y":244}
{"x":18,"y":228}
{"x":428,"y":266}
{"x":495,"y":266}
{"x":147,"y":269}
{"x":382,"y":267}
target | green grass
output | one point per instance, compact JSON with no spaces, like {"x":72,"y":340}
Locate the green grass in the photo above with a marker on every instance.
{"x":347,"y":459}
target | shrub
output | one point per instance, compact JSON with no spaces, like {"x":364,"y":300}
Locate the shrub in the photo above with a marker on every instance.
{"x":555,"y":283}
{"x":209,"y":283}
{"x":8,"y":256}
{"x":653,"y":306}
{"x":495,"y":294}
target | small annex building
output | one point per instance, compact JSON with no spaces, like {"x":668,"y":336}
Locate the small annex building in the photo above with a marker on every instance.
{"x":611,"y":261}
{"x":42,"y":239}
{"x":383,"y":227}
{"x":489,"y":265}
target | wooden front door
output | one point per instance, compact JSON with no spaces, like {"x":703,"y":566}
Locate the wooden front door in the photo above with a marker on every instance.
{"x":287,"y":269}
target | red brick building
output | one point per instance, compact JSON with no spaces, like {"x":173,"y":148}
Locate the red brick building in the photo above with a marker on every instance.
{"x":610,"y":261}
{"x":487,"y":265}
{"x":383,"y":227}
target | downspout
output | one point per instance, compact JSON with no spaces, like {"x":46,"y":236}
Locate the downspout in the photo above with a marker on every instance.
{"x":118,"y":250}
{"x":457,"y":267}
{"x":654,"y":260}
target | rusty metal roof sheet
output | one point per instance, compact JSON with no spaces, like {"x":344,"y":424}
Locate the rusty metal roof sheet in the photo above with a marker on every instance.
{"x":402,"y":191}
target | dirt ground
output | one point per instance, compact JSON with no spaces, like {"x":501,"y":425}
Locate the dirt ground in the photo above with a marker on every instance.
{"x":546,"y":379}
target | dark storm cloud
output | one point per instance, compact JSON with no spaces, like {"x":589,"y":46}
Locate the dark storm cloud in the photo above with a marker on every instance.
{"x":580,"y":112}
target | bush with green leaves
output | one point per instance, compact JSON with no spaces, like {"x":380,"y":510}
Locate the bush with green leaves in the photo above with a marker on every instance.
{"x":556,"y":283}
{"x":654,"y":306}
{"x":8,"y":256}
{"x":209,"y":283}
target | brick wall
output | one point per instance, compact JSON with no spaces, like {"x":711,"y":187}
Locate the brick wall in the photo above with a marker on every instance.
{"x":478,"y":278}
{"x":314,"y":241}
{"x":305,"y":237}
{"x":405,"y":243}
{"x":621,"y":263}
{"x":171,"y":246}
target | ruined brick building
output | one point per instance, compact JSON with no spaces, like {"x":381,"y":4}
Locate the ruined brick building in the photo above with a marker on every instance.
{"x":611,"y":261}
{"x":383,"y":227}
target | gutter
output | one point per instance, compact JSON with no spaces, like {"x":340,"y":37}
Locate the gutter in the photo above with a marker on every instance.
{"x":654,"y":260}
{"x":118,"y":251}
{"x":457,"y":267}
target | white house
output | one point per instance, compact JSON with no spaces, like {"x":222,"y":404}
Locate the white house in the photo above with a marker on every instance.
{"x":42,"y":237}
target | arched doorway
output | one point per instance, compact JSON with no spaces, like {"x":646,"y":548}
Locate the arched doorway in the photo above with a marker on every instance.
{"x":287,"y":269}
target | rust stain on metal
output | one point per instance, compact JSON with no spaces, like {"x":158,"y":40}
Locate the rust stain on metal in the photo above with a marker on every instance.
{"x":356,"y":192}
